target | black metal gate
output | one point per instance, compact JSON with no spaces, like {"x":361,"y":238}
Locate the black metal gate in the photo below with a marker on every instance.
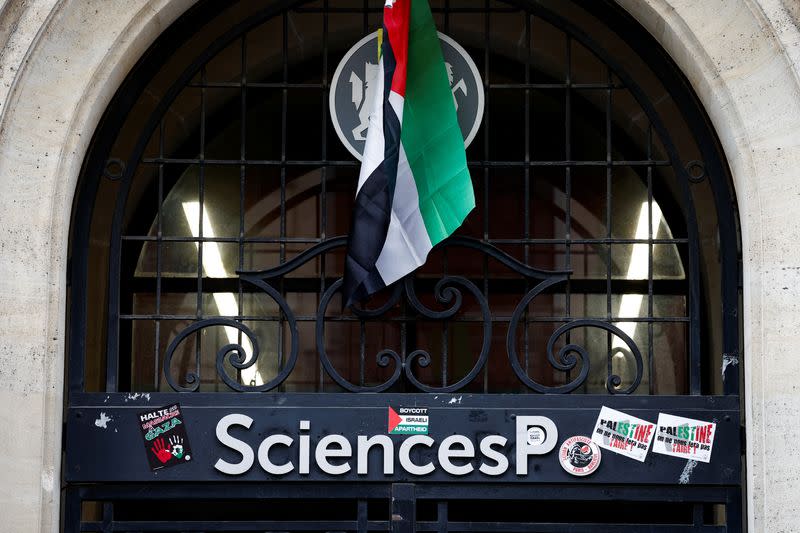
{"x":223,"y":111}
{"x":400,"y":507}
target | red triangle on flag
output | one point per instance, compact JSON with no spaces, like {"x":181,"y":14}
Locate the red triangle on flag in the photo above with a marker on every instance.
{"x":394,"y":419}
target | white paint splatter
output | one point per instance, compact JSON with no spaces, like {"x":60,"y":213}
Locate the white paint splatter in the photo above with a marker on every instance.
{"x":687,"y":472}
{"x":103,"y":421}
{"x":455,"y":400}
{"x":132,"y":396}
{"x":727,"y":360}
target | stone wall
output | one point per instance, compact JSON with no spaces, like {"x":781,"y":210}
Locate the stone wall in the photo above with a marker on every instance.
{"x":62,"y":60}
{"x":743,"y":60}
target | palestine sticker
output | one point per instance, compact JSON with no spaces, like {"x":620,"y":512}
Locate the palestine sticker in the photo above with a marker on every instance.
{"x":408,"y":421}
{"x":579,"y":456}
{"x":623,"y":434}
{"x":165,"y":440}
{"x":684,"y":437}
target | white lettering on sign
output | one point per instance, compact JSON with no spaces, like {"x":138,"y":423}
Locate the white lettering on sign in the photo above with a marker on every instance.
{"x":364,"y":444}
{"x":280,"y":454}
{"x":235,"y":444}
{"x":341,"y":448}
{"x":525,"y":448}
{"x":465,"y":450}
{"x":405,"y":455}
{"x":263,"y":455}
{"x":488,"y":451}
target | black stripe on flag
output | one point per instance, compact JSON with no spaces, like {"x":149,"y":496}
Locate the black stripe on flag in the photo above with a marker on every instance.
{"x":373,"y":209}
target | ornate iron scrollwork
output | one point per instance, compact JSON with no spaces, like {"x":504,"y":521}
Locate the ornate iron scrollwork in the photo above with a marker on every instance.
{"x":449,"y":292}
{"x":236,"y":353}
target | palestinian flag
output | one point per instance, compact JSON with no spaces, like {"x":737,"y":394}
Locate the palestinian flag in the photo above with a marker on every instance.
{"x":414,"y":189}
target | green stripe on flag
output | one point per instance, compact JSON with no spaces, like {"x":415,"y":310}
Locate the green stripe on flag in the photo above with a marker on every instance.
{"x":431,"y":136}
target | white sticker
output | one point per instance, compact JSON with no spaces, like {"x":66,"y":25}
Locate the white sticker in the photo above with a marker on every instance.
{"x":536,"y":436}
{"x":684,"y":437}
{"x":623,"y":434}
{"x":579,"y":456}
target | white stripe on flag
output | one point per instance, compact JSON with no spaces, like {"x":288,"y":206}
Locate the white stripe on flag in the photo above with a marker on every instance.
{"x":374,"y":146}
{"x":407,"y":242}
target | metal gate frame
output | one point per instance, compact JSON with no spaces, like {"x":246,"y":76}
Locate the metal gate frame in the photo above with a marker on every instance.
{"x":404,"y":495}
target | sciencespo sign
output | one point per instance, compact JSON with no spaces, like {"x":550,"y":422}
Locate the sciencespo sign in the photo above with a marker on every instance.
{"x":401,"y":438}
{"x":338,"y":454}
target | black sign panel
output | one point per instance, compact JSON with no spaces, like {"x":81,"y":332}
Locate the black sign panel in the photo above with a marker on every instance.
{"x":342,"y":437}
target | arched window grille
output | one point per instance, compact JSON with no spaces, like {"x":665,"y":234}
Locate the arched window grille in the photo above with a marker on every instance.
{"x":602,"y":257}
{"x":588,"y":190}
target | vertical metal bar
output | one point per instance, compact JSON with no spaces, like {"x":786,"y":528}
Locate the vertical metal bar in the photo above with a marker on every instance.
{"x":568,"y":189}
{"x":363,"y":517}
{"x":403,"y":333}
{"x":403,"y":508}
{"x":734,"y":510}
{"x":445,"y":324}
{"x":362,"y":348}
{"x":242,"y":179}
{"x":108,"y":517}
{"x":282,"y":245}
{"x":526,"y":229}
{"x":201,"y":200}
{"x":323,"y":195}
{"x":486,"y":135}
{"x":441,"y":517}
{"x":201,"y":193}
{"x":609,"y":247}
{"x":72,"y":510}
{"x":445,"y":329}
{"x":651,"y":232}
{"x":697,"y":515}
{"x":159,"y":259}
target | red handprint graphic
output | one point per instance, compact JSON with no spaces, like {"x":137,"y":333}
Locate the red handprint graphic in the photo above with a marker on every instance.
{"x":163,"y":454}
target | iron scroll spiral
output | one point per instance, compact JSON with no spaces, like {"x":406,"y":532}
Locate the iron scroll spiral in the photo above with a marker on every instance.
{"x":567,"y":359}
{"x":382,"y":358}
{"x":235,"y":353}
{"x":446,"y":291}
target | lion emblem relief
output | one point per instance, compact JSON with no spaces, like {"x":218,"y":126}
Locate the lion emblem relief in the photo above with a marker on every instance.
{"x":362,"y":93}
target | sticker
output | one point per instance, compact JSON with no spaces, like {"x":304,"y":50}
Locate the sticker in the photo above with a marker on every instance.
{"x":536,"y":436}
{"x":623,"y":434}
{"x":165,"y":440}
{"x":579,"y":456}
{"x":684,"y":437}
{"x":408,"y":421}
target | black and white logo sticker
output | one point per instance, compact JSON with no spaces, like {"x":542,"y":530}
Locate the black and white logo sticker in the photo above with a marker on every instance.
{"x":353,"y":83}
{"x":536,"y":436}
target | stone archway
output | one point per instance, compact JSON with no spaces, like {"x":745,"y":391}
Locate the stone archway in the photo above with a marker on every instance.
{"x":743,"y":61}
{"x":62,"y":61}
